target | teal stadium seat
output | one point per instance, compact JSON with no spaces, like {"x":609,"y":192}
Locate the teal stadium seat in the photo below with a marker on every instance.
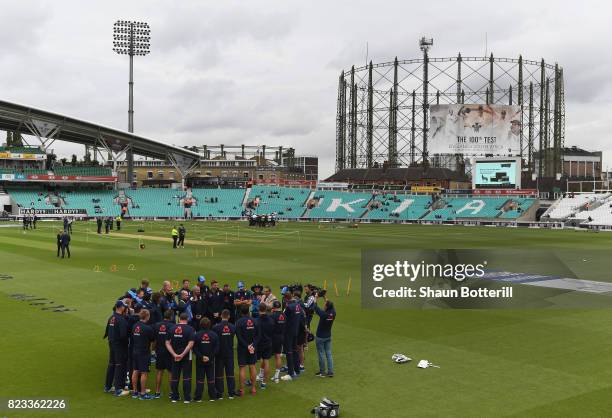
{"x":400,"y":207}
{"x":340,"y":205}
{"x":287,"y":202}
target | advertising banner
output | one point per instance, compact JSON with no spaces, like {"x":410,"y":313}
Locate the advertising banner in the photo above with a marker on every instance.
{"x":512,"y":192}
{"x":52,"y":212}
{"x":475,"y":129}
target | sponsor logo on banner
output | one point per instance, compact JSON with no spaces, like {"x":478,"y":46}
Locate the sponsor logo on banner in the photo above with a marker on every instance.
{"x":53,"y":212}
{"x":475,"y":129}
{"x":425,"y":189}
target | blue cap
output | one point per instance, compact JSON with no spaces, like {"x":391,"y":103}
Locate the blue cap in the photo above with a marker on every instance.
{"x":241,"y":285}
{"x":284,"y":290}
{"x":120,"y":304}
{"x":201,"y":279}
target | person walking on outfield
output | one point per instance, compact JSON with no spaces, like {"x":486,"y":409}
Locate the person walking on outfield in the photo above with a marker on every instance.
{"x":205,"y":348}
{"x":99,"y":224}
{"x":179,"y":343}
{"x":142,"y":337}
{"x":181,"y":236}
{"x":65,"y":243}
{"x":118,"y":220}
{"x":34,"y":220}
{"x":118,"y":339}
{"x":224,"y":361}
{"x":59,"y":241}
{"x":107,"y":225}
{"x":174,"y":236}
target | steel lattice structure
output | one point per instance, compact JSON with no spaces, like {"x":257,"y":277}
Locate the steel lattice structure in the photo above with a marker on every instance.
{"x":383,"y":109}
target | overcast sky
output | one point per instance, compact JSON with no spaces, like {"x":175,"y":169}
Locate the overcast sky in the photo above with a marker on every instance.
{"x":266,"y":72}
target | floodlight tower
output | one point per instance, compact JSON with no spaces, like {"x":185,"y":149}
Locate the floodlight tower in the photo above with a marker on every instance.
{"x":131,"y":38}
{"x":425,"y":44}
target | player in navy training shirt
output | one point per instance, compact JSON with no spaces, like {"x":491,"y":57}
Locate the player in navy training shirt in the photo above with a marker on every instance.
{"x":179,"y":343}
{"x":224,"y":361}
{"x":248,"y":337}
{"x":163,"y":360}
{"x":142,"y":337}
{"x":205,"y":348}
{"x":294,"y":315}
{"x":264,"y":346}
{"x":118,"y":344}
{"x":277,"y":339}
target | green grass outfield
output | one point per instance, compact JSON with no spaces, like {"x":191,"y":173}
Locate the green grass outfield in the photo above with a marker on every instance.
{"x":493,"y":362}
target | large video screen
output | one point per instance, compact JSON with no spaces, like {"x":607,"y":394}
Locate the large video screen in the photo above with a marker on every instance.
{"x":496,"y":175}
{"x":475,"y":129}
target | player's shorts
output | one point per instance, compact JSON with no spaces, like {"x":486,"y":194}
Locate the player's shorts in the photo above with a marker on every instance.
{"x":141,"y":362}
{"x":245,"y":358}
{"x":301,"y":337}
{"x":277,"y":344}
{"x":164,"y":361}
{"x":264,"y":352}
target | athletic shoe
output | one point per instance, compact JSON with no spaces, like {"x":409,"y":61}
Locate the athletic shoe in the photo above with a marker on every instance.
{"x":135,"y":395}
{"x":186,"y":401}
{"x":145,"y":397}
{"x":231,"y":396}
{"x":275,"y":379}
{"x":284,"y":369}
{"x":262,"y":385}
{"x":302,"y":368}
{"x":108,"y":390}
{"x":249,"y":383}
{"x":219,"y":398}
{"x":157,"y":395}
{"x":174,"y":400}
{"x":320,"y":374}
{"x":329,"y":374}
{"x":197,"y":400}
{"x":211,"y":400}
{"x":287,"y":378}
{"x":121,"y":392}
{"x":259,"y":378}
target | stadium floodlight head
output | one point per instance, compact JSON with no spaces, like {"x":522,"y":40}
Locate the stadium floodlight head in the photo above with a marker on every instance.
{"x":131,"y":38}
{"x":425,"y":43}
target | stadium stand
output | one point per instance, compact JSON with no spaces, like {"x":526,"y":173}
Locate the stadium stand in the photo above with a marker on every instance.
{"x":403,"y":207}
{"x":286,"y":202}
{"x":598,"y":212}
{"x":339,"y":205}
{"x":570,"y":205}
{"x":479,"y":208}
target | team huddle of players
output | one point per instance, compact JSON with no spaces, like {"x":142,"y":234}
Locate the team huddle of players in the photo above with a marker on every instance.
{"x":262,"y":220}
{"x":199,"y":325}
